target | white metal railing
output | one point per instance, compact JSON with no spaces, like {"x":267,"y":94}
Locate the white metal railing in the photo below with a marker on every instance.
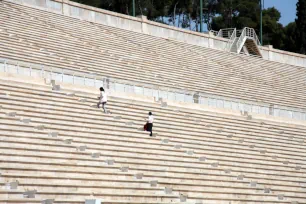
{"x":226,"y":33}
{"x":247,"y":33}
{"x":215,"y":33}
{"x":92,"y":79}
{"x":241,"y":39}
{"x":231,"y":40}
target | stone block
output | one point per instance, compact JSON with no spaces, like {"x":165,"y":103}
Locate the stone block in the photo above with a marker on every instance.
{"x":13,"y":185}
{"x":56,"y":88}
{"x":230,"y":136}
{"x":187,"y":116}
{"x":190,"y":152}
{"x":124,"y":169}
{"x":129,"y":123}
{"x":4,"y":95}
{"x":164,"y":104}
{"x":208,"y":125}
{"x":262,"y":151}
{"x":183,"y":198}
{"x":168,"y":190}
{"x":249,"y":117}
{"x":286,"y":162}
{"x":93,"y":201}
{"x":178,"y":146}
{"x":253,"y":183}
{"x":139,"y":175}
{"x":96,"y":155}
{"x":117,"y":117}
{"x":48,"y":201}
{"x":227,"y":171}
{"x":252,"y":146}
{"x":240,"y":177}
{"x":241,"y":140}
{"x":29,"y":194}
{"x":219,"y":130}
{"x":68,"y":141}
{"x":82,"y":148}
{"x":26,"y":121}
{"x":83,"y":100}
{"x":298,"y":168}
{"x":196,"y":120}
{"x":53,"y":82}
{"x":153,"y":183}
{"x":267,"y":190}
{"x":70,"y":94}
{"x":53,"y":134}
{"x":110,"y":162}
{"x":280,"y":197}
{"x":202,"y":158}
{"x":215,"y":164}
{"x":165,"y":140}
{"x":11,"y":114}
{"x":40,"y":127}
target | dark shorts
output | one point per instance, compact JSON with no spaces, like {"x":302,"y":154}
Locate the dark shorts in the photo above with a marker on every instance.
{"x":149,"y":127}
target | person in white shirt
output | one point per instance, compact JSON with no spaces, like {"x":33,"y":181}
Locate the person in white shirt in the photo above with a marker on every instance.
{"x":102,"y":99}
{"x":150,"y":123}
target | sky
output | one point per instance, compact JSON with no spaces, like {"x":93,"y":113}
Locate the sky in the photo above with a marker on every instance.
{"x":287,"y":9}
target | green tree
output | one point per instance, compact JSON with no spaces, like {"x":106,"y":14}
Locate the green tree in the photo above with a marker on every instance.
{"x":301,"y":26}
{"x":236,"y":14}
{"x":289,"y":40}
{"x":273,"y":31}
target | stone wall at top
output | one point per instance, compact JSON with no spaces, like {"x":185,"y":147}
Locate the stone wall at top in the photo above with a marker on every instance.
{"x":145,"y":26}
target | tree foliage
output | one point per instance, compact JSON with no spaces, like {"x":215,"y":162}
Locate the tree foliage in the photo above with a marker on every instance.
{"x":219,"y":14}
{"x":300,"y":31}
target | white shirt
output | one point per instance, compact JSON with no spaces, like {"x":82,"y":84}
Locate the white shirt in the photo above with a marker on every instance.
{"x":103,"y":96}
{"x":150,"y":119}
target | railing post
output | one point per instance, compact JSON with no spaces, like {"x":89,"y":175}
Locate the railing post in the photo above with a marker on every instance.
{"x":62,"y":75}
{"x":73,"y":78}
{"x":5,"y":65}
{"x":84,"y":79}
{"x":42,"y":71}
{"x":17,"y":68}
{"x":30,"y":70}
{"x":143,"y":91}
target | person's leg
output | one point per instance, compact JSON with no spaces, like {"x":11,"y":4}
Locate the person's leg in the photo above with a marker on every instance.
{"x":98,"y":104}
{"x":150,"y":125}
{"x":104,"y":107}
{"x":151,"y":130}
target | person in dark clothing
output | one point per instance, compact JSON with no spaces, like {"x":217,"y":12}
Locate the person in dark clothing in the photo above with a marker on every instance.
{"x":150,"y":123}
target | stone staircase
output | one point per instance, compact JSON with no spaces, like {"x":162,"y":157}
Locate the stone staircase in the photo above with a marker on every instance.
{"x":60,"y":146}
{"x":41,"y":37}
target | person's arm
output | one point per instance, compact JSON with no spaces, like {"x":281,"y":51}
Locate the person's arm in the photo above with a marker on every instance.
{"x":100,"y":97}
